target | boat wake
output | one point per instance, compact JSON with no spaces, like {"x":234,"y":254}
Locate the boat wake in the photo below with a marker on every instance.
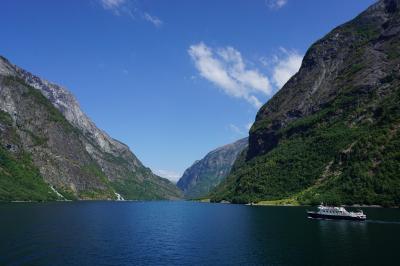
{"x":365,"y":221}
{"x":382,"y":222}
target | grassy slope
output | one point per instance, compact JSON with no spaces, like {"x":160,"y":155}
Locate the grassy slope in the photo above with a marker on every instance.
{"x":151,"y":187}
{"x":20,"y":180}
{"x":327,"y":157}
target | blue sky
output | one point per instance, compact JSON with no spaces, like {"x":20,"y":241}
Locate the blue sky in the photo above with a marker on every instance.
{"x":172,"y":79}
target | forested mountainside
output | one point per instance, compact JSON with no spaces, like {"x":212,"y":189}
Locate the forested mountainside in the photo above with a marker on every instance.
{"x":50,"y":150}
{"x":332,"y":133}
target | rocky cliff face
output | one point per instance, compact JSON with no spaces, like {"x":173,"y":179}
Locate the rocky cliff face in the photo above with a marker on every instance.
{"x":329,"y":133}
{"x":204,"y":175}
{"x":73,"y":156}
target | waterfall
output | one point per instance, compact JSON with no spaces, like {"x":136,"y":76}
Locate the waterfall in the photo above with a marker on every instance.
{"x":57,"y":193}
{"x":119,"y":197}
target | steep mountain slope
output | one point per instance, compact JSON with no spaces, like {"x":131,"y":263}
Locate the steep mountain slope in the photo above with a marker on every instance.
{"x":205,"y":174}
{"x":332,"y":132}
{"x":43,"y":123}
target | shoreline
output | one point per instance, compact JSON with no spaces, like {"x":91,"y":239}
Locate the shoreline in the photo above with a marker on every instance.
{"x":259,"y":204}
{"x":292,"y":203}
{"x":88,"y":200}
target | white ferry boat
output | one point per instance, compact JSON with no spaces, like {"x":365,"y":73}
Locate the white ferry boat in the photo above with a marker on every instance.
{"x":336,"y":213}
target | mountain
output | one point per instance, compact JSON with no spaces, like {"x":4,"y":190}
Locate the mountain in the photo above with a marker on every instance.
{"x":331,"y":133}
{"x":204,"y":175}
{"x":51,"y":150}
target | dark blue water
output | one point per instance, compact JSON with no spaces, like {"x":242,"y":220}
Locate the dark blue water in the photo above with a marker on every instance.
{"x":188,"y":233}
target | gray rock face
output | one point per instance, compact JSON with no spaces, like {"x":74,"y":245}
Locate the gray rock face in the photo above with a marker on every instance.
{"x":317,"y":83}
{"x":205,"y":174}
{"x":75,"y":155}
{"x":64,"y":101}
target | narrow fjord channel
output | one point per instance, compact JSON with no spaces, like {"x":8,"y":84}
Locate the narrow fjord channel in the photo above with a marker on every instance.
{"x":189,"y":233}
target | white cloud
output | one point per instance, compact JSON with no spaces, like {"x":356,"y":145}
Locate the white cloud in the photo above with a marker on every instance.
{"x":153,"y":19}
{"x":113,"y":5}
{"x":240,"y":130}
{"x":249,"y":125}
{"x":285,"y":67}
{"x":264,"y":61}
{"x":236,"y":129}
{"x":225,"y":68}
{"x":170,"y":175}
{"x":128,"y":8}
{"x":275,"y":4}
{"x":110,"y":4}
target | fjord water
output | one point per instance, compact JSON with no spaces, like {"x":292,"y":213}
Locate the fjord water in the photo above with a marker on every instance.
{"x":190,"y":233}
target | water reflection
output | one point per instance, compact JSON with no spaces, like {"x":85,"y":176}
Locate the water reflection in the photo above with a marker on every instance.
{"x":341,"y":228}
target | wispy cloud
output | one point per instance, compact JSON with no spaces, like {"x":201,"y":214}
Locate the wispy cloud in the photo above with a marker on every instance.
{"x":241,"y":130}
{"x":275,"y":4}
{"x":237,"y":130}
{"x":112,"y":4}
{"x":264,"y":61}
{"x":249,"y":125}
{"x":153,"y":19}
{"x":115,"y":6}
{"x":170,"y":175}
{"x":129,"y":8}
{"x":225,"y":68}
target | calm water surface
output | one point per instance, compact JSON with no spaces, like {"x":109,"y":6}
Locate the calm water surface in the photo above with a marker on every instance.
{"x":188,"y":233}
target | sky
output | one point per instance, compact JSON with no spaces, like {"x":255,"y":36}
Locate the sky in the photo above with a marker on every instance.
{"x":172,"y":79}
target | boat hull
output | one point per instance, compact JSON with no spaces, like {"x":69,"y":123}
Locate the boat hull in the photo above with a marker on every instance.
{"x":333,"y":217}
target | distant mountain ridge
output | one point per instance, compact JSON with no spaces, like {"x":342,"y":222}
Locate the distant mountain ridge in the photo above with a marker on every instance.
{"x":331,"y":134}
{"x":205,"y":174}
{"x":73,"y":156}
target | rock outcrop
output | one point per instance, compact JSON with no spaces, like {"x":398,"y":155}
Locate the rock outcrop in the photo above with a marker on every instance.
{"x":73,"y":156}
